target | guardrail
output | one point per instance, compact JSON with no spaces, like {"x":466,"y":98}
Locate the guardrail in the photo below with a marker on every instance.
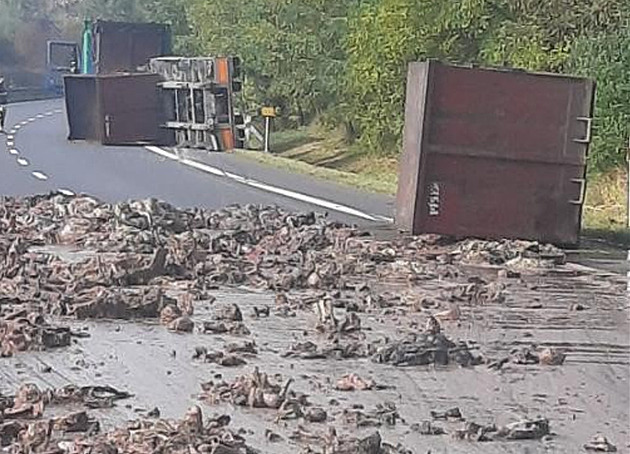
{"x":23,"y":94}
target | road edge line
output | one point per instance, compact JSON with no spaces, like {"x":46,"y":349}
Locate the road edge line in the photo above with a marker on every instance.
{"x":305,"y":198}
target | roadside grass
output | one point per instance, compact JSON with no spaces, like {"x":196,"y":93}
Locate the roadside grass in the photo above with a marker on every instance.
{"x":325,"y":155}
{"x":604,"y":214}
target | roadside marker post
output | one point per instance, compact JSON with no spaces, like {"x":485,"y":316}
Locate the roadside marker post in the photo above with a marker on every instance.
{"x":268,"y":113}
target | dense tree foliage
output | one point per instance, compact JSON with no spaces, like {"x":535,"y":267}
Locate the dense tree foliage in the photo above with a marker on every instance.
{"x":589,"y":37}
{"x":292,"y":50}
{"x":347,"y":59}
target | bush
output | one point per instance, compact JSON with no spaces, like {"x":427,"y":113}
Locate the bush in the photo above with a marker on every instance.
{"x":606,"y":58}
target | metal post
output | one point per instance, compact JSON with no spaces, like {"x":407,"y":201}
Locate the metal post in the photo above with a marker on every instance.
{"x":267,"y":132}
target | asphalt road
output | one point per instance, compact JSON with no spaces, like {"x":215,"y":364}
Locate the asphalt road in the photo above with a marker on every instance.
{"x":37,"y":158}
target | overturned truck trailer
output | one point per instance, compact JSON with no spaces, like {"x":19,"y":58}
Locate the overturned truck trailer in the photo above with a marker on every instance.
{"x":129,"y":92}
{"x":494,"y":153}
{"x":197,"y":98}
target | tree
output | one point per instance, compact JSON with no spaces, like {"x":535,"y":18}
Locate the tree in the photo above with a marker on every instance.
{"x":292,"y":50}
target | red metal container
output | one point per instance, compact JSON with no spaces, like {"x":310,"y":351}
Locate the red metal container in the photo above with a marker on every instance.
{"x":128,"y":47}
{"x":494,"y":153}
{"x":115,"y":109}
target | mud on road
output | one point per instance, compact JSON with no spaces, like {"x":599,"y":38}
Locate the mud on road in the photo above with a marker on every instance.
{"x":309,"y":335}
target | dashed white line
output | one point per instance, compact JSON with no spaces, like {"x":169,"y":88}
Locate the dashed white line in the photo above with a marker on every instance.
{"x":22,"y":161}
{"x":14,"y":152}
{"x":24,"y":123}
{"x":269,"y":188}
{"x":66,"y":192}
{"x":17,"y":128}
{"x":39,"y":175}
{"x":40,"y":116}
{"x":10,"y":137}
{"x":10,"y":143}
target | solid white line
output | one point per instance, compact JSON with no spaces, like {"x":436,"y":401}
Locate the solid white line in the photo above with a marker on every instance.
{"x":14,"y":152}
{"x":22,"y":161}
{"x":268,"y":188}
{"x":238,"y":178}
{"x":311,"y":200}
{"x":163,"y":153}
{"x":66,"y":192}
{"x":39,"y":175}
{"x":384,"y":218}
{"x":203,"y":167}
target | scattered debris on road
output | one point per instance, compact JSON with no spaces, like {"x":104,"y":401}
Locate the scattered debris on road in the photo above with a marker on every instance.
{"x":344,"y":301}
{"x":600,"y":443}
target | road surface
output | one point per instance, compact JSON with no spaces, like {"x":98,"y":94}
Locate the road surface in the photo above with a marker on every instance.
{"x":37,"y":158}
{"x":588,"y":394}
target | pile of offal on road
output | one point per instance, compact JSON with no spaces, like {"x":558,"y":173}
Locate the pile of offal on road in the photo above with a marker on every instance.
{"x":391,"y":305}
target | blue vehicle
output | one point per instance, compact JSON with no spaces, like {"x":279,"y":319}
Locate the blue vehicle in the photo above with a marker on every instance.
{"x":62,"y":57}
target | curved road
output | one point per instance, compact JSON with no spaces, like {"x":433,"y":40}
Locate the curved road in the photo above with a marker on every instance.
{"x":37,"y":158}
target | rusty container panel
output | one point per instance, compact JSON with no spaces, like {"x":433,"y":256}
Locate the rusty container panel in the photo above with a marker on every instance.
{"x":494,"y":154}
{"x":81,"y":101}
{"x":129,"y":109}
{"x":128,"y":47}
{"x":116,"y":109}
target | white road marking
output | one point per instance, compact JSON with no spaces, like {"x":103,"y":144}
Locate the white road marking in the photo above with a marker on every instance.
{"x":203,"y":167}
{"x":164,"y":153}
{"x":66,"y":192}
{"x":384,"y":218}
{"x":311,"y":200}
{"x":58,"y":110}
{"x":13,"y":131}
{"x":14,"y":152}
{"x":22,"y":161}
{"x":40,"y":116}
{"x":269,"y":188}
{"x":31,"y":120}
{"x":49,"y":114}
{"x":10,"y":143}
{"x":10,"y":137}
{"x":24,"y":123}
{"x":17,"y":128}
{"x":39,"y":175}
{"x":238,"y":178}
